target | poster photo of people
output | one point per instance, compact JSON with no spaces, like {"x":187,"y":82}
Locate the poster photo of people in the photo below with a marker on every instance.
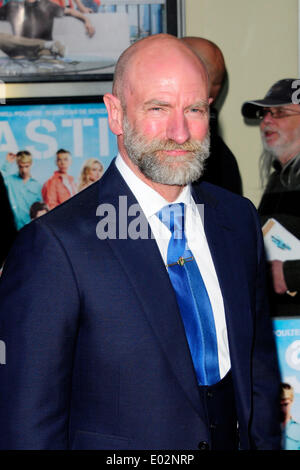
{"x":287,"y":336}
{"x":50,"y":152}
{"x":51,"y":39}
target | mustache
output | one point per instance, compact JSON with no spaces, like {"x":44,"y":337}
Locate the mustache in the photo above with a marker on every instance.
{"x":158,"y":145}
{"x":269,"y":129}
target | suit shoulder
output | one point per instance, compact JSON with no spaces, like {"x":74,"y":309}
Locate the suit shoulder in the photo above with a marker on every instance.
{"x":82,"y":204}
{"x":235,"y":207}
{"x":218,"y":193}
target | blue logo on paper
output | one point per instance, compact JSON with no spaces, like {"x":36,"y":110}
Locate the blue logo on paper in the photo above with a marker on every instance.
{"x":280,"y":244}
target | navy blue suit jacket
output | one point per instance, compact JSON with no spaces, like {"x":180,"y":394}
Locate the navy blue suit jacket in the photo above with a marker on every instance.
{"x":96,"y":355}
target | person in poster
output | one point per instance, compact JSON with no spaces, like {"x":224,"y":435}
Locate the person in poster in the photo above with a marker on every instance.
{"x":32,"y":23}
{"x":38,"y":209}
{"x":23,"y":190}
{"x":290,"y":427}
{"x":61,"y":186}
{"x":78,"y":5}
{"x":92,"y":171}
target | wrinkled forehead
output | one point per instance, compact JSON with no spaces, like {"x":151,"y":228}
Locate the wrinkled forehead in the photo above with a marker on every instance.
{"x":295,"y":108}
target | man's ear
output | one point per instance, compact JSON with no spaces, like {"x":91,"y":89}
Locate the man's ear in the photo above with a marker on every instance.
{"x":115,"y":113}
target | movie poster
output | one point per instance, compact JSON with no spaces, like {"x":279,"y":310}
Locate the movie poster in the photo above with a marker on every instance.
{"x":77,"y":39}
{"x":287,"y":335}
{"x":79,"y":129}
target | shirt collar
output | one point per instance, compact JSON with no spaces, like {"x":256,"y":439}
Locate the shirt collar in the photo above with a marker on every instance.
{"x":29,"y":179}
{"x":149,"y":199}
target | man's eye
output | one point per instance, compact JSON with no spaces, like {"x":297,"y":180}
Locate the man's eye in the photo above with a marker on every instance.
{"x":201,"y":111}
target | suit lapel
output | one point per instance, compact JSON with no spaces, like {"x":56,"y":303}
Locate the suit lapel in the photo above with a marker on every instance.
{"x":142,"y":262}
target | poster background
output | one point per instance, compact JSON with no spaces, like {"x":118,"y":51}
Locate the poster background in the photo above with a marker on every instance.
{"x":287,"y":336}
{"x":94,"y":58}
{"x":42,"y":128}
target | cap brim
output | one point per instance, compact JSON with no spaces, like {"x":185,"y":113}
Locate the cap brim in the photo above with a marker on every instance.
{"x":250,"y":107}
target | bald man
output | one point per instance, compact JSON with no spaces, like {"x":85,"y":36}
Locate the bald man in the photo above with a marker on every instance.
{"x":221,"y":168}
{"x":134,"y":314}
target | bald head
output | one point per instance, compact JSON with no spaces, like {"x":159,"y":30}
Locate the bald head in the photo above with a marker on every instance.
{"x":149,"y":53}
{"x":213,"y":58}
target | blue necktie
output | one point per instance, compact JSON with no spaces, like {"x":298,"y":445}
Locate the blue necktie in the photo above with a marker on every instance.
{"x":192,"y":298}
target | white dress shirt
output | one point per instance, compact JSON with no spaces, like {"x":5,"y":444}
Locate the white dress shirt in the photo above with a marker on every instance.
{"x":151,"y":202}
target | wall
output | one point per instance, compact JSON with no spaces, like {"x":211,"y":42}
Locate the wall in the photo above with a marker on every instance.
{"x":259,"y":39}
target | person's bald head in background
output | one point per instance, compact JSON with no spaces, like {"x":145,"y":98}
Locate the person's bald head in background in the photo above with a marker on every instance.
{"x":213,"y":58}
{"x":221,"y":167}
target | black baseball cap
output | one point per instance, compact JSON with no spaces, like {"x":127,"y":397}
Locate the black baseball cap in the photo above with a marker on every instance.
{"x":279,"y":94}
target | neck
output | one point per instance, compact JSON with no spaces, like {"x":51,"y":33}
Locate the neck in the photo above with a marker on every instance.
{"x":288,"y":155}
{"x":285,"y":158}
{"x":286,"y":420}
{"x":26,"y":178}
{"x":169,"y":192}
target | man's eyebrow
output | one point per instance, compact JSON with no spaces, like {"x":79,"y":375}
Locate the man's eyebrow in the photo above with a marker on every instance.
{"x":157,"y":102}
{"x":200,"y":103}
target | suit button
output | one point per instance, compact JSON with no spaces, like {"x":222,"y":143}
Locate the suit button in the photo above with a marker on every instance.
{"x":203,"y":445}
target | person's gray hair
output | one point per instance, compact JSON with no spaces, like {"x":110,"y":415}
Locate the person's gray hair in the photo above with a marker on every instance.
{"x":265,"y":166}
{"x":289,"y":175}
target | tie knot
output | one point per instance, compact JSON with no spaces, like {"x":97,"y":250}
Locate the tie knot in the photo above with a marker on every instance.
{"x":173,"y":217}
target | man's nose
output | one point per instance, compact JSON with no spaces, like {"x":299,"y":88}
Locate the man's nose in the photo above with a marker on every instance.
{"x":178,"y":128}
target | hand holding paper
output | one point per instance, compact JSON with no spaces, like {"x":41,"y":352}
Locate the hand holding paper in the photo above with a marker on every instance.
{"x":280,"y":246}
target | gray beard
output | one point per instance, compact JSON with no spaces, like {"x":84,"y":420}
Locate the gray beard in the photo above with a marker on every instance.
{"x":145,"y":155}
{"x":274,"y":151}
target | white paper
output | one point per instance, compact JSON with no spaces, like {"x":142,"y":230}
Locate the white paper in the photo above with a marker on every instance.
{"x":280,"y":244}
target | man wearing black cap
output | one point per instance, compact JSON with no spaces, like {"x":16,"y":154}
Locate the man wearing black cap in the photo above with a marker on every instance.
{"x":279,"y":115}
